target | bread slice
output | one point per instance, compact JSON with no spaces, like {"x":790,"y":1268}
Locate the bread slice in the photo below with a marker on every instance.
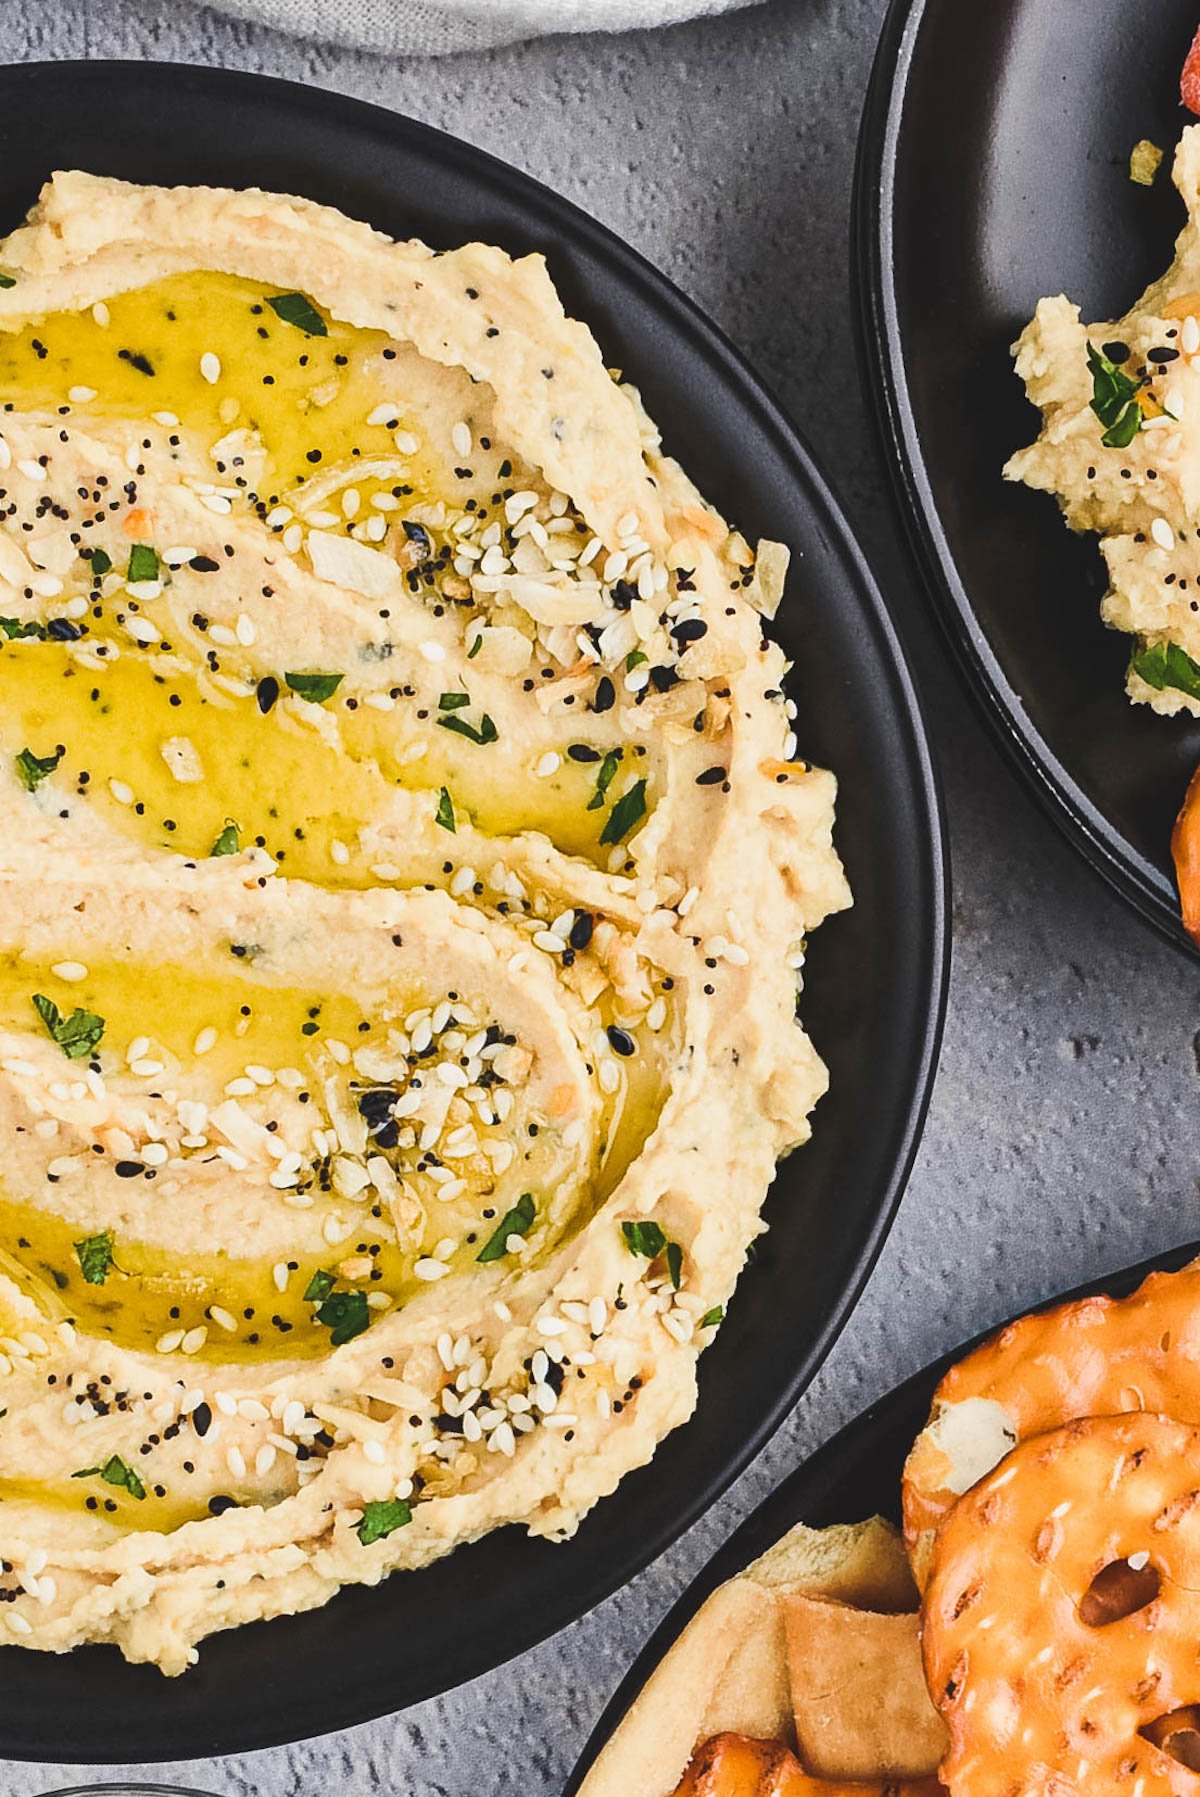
{"x":730,"y":1670}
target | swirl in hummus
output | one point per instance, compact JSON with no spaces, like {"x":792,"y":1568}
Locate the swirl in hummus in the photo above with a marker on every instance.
{"x":406,"y":867}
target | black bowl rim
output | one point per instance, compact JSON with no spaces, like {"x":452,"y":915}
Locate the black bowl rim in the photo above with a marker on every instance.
{"x":688,"y":321}
{"x":881,"y":354}
{"x":815,"y":1479}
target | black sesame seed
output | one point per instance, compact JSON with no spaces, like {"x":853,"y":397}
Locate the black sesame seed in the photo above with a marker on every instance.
{"x":622,"y":1042}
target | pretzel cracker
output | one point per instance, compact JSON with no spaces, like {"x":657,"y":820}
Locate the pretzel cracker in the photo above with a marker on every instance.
{"x":1043,"y":1685}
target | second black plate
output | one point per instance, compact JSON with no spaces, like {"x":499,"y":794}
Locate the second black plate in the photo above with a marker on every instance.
{"x":854,"y":1476}
{"x":994,"y":169}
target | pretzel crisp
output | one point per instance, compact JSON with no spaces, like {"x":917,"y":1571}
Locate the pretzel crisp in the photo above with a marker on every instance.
{"x":1062,"y":1616}
{"x":1093,"y":1357}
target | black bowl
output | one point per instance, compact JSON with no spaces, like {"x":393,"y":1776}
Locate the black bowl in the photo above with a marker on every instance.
{"x":993,"y":169}
{"x":875,"y":983}
{"x":854,"y":1476}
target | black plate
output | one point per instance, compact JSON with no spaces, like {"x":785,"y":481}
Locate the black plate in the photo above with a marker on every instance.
{"x":854,"y":1476}
{"x":993,"y":169}
{"x":875,"y":981}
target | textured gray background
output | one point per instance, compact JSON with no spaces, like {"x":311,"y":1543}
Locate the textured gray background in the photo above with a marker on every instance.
{"x":1060,"y":1142}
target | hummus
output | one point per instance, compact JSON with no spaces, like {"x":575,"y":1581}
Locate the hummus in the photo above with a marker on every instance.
{"x":1120,"y":449}
{"x":406,"y":868}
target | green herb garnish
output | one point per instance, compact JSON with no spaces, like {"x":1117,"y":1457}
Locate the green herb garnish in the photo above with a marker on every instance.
{"x":629,"y":809}
{"x":229,"y":841}
{"x":15,"y":628}
{"x":143,"y":563}
{"x":712,"y":1317}
{"x":675,"y":1264}
{"x":7,"y":281}
{"x":320,"y":1286}
{"x":1113,"y":400}
{"x":317,"y":687}
{"x":646,"y":1239}
{"x":517,"y":1221}
{"x":101,"y":561}
{"x":445,"y":812}
{"x":77,"y":1035}
{"x":476,"y":646}
{"x":95,"y":1256}
{"x":345,"y":1315}
{"x":484,"y":732}
{"x":605,"y":778}
{"x":1166,"y":664}
{"x":382,"y":1517}
{"x":115,"y":1472}
{"x":634,"y":659}
{"x":33,"y":769}
{"x":453,"y":701}
{"x":295,"y":309}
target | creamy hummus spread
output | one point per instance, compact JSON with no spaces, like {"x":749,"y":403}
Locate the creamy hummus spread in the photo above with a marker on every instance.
{"x":1120,"y":450}
{"x":405,"y":870}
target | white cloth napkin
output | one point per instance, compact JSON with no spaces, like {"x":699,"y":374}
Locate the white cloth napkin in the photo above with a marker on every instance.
{"x":439,"y":27}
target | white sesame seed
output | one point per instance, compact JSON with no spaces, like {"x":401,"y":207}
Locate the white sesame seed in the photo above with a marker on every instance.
{"x":264,"y":1460}
{"x":222,"y":1319}
{"x":69,"y":970}
{"x":430,"y":1269}
{"x":375,"y":1452}
{"x":1162,"y":533}
{"x":31,"y":469}
{"x":235,"y":1460}
{"x":406,"y":443}
{"x":433,"y":651}
{"x":167,"y":1344}
{"x":1190,"y":338}
{"x":210,"y":367}
{"x":460,"y":437}
{"x":194,"y":1340}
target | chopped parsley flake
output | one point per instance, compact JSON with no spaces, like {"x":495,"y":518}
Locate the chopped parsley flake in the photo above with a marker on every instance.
{"x":382,"y":1517}
{"x":115,"y":1472}
{"x":7,"y":280}
{"x":484,"y":732}
{"x":712,"y":1317}
{"x":445,"y":812}
{"x":675,"y":1264}
{"x":1166,"y":664}
{"x":320,"y":1286}
{"x":646,"y":1239}
{"x":629,"y":809}
{"x":33,"y":769}
{"x":453,"y":701}
{"x":315,"y":687}
{"x":95,"y":1256}
{"x":229,"y":841}
{"x":634,"y":659}
{"x":143,"y":563}
{"x":517,"y":1221}
{"x":101,"y":561}
{"x":295,"y":308}
{"x":77,"y":1035}
{"x":344,"y":1314}
{"x":1113,"y":400}
{"x":605,"y":778}
{"x":14,"y":628}
{"x":476,"y":646}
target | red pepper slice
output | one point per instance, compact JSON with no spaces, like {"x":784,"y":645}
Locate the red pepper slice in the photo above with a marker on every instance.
{"x":1189,"y":81}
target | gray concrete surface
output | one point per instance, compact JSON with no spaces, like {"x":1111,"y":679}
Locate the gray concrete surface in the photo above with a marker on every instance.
{"x":1061,"y":1138}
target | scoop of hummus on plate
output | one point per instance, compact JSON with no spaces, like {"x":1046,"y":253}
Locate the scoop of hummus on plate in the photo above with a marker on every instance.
{"x":1120,"y":410}
{"x":406,"y":869}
